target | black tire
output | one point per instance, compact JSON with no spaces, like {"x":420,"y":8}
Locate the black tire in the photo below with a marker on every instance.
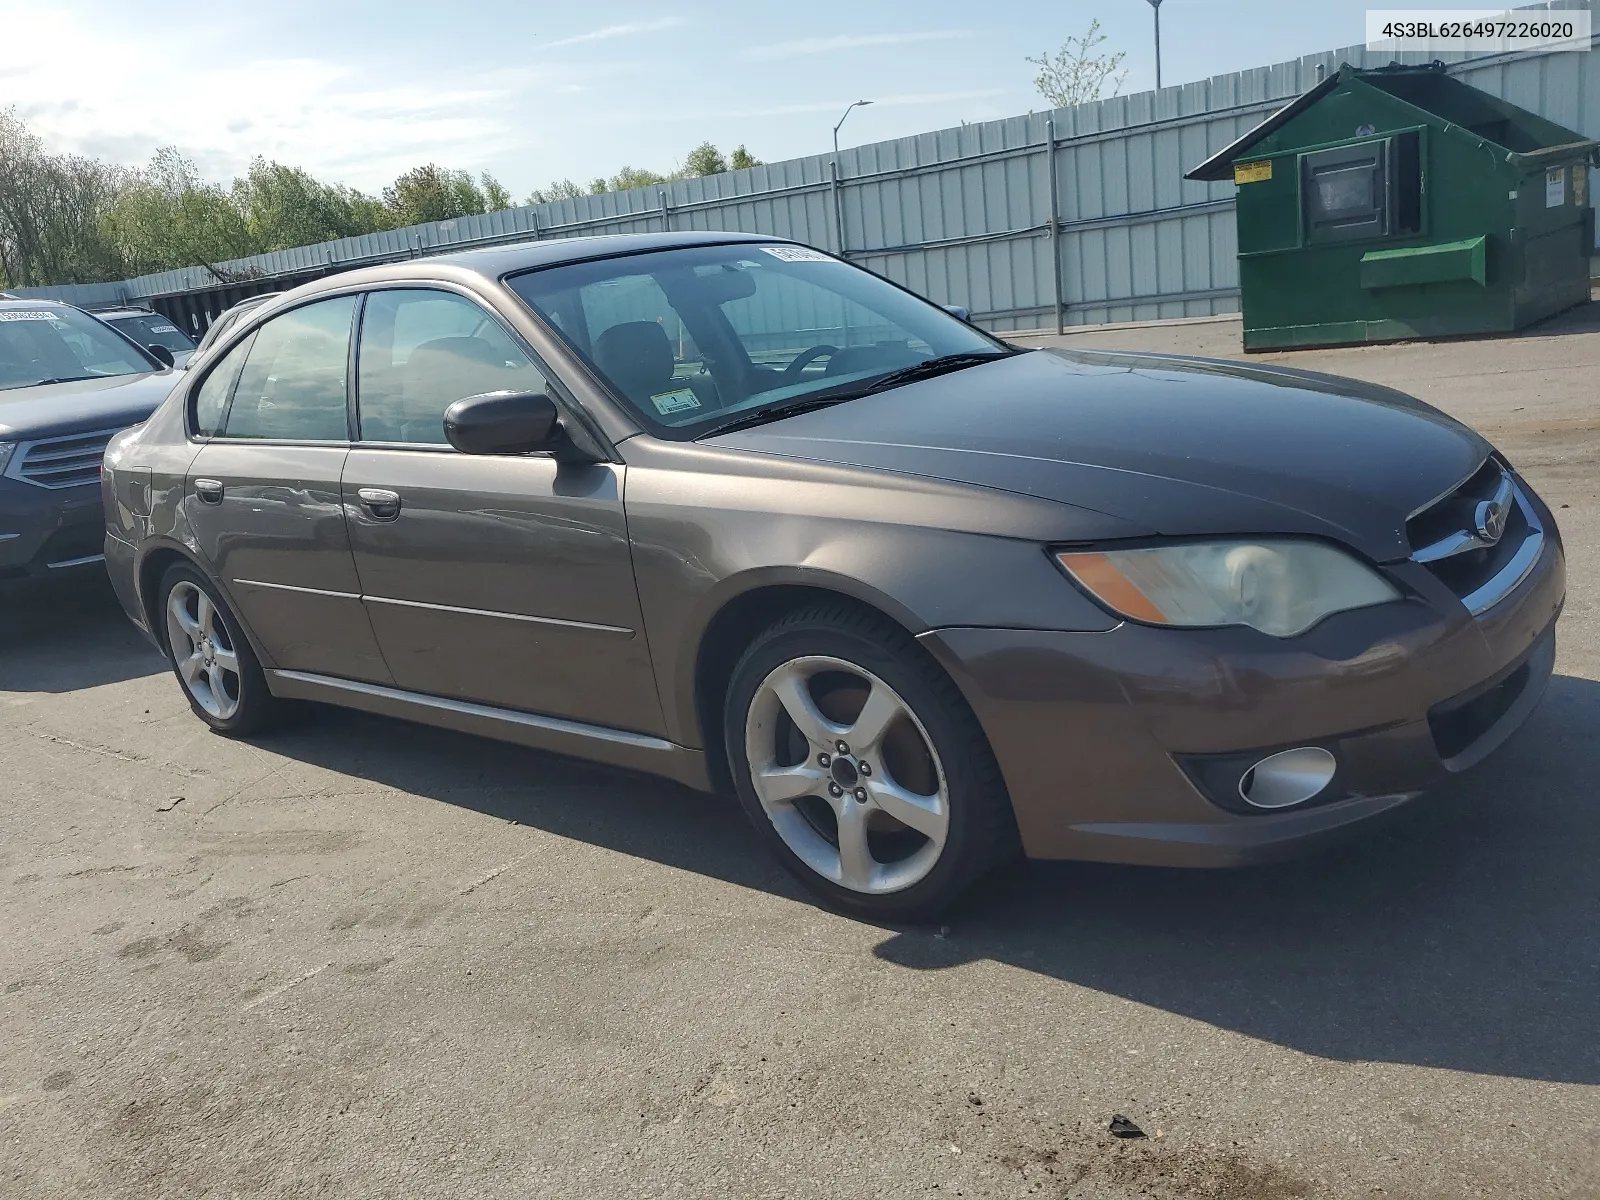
{"x":981,"y":833}
{"x":251,"y":707}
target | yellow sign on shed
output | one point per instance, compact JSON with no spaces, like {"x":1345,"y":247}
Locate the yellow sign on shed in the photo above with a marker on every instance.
{"x":1256,"y":172}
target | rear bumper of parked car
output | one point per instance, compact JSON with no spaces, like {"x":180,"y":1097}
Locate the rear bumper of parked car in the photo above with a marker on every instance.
{"x":1128,"y":746}
{"x":48,"y":531}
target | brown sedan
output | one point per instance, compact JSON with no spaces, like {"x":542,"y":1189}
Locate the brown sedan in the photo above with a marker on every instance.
{"x":727,"y":509}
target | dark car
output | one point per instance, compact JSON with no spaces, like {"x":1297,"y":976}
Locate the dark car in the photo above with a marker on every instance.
{"x":150,"y":329}
{"x":730,"y":510}
{"x":67,"y":384}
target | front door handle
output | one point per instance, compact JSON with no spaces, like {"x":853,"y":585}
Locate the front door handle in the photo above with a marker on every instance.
{"x":383,"y":504}
{"x":209,"y":490}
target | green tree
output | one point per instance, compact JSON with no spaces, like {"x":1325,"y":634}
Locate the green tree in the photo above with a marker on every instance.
{"x":742,"y":159}
{"x":629,"y":177}
{"x":1075,"y":74}
{"x":704,"y":159}
{"x":495,"y":195}
{"x":560,"y":189}
{"x":431,"y":193}
{"x":53,"y":212}
{"x":285,"y":206}
{"x":169,"y":217}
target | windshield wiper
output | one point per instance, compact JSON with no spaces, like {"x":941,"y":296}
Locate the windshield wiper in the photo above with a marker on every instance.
{"x":929,"y":368}
{"x":776,"y":412}
{"x":64,"y":379}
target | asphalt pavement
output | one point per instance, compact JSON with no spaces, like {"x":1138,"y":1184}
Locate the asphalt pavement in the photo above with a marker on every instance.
{"x":360,"y":958}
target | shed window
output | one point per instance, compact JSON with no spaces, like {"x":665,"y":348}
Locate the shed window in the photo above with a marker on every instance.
{"x":1361,"y":192}
{"x":1345,"y":193}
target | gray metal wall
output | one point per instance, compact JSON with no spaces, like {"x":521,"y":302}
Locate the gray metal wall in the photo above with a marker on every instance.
{"x":970,"y":215}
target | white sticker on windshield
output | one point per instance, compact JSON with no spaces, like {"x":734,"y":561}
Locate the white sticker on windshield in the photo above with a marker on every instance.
{"x":668,"y":403}
{"x":27,"y":314}
{"x":797,"y":254}
{"x":163,"y":329}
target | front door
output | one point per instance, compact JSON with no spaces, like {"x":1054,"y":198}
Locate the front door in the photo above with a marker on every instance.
{"x":505,"y":581}
{"x":263,"y":498}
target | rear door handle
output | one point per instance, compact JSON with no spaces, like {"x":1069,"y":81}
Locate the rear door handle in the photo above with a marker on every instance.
{"x":383,"y":504}
{"x":209,"y":490}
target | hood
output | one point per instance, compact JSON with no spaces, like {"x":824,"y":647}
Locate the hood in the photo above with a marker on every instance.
{"x":1178,"y":446}
{"x":83,"y":406}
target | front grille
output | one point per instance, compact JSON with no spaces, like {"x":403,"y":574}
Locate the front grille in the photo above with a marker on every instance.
{"x":1444,"y":537}
{"x":64,"y":462}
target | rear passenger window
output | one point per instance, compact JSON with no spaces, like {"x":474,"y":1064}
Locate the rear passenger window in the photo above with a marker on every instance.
{"x":211,"y":398}
{"x":292,"y":387}
{"x":423,"y":350}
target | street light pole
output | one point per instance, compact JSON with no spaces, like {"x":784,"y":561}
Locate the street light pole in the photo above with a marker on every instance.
{"x":857,"y":104}
{"x":1156,"y":4}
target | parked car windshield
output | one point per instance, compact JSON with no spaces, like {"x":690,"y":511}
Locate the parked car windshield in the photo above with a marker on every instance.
{"x":152,"y":329}
{"x":695,"y":337}
{"x":56,"y":345}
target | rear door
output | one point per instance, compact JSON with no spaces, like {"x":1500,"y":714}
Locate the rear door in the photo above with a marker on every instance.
{"x":505,"y":581}
{"x":263,"y":493}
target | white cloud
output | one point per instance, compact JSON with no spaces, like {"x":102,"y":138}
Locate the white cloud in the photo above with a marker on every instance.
{"x":898,"y":100}
{"x":846,"y":41}
{"x":342,"y":122}
{"x":616,"y":31}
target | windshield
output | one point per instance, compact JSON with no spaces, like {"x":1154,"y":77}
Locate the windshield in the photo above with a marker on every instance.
{"x":693,"y":338}
{"x":43,"y":345}
{"x":152,"y":329}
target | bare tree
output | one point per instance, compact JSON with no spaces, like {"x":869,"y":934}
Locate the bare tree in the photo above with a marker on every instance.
{"x":1075,"y":74}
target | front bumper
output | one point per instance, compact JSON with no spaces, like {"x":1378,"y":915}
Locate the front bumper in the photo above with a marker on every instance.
{"x":49,"y":531}
{"x":1104,"y":738}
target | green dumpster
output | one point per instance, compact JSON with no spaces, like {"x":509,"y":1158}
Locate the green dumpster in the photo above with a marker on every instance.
{"x":1402,"y":203}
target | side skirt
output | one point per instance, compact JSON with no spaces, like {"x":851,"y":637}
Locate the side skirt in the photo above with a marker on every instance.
{"x":597,"y":743}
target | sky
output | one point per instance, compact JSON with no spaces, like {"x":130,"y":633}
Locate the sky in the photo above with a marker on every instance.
{"x":357,"y":92}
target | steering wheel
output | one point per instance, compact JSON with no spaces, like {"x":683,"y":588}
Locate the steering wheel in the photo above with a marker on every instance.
{"x":805,"y":358}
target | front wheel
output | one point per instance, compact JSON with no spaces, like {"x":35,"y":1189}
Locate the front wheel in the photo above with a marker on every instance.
{"x":211,"y":658}
{"x":861,"y":765}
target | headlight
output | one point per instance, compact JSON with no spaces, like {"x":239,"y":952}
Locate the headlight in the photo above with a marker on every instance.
{"x":6,"y":450}
{"x":1282,"y":588}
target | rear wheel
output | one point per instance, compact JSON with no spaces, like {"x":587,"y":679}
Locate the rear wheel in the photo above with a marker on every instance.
{"x":861,"y":765}
{"x":210,"y":656}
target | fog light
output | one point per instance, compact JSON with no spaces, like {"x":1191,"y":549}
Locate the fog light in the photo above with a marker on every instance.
{"x":1288,"y":778}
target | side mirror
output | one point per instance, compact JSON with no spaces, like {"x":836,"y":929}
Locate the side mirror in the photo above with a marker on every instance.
{"x":503,"y":423}
{"x":161,"y":354}
{"x":956,"y":311}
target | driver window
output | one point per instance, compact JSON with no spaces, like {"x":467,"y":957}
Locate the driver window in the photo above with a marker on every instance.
{"x":421,"y":351}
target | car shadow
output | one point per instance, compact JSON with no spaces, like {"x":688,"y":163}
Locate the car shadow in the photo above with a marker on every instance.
{"x":63,"y":635}
{"x":1463,"y":934}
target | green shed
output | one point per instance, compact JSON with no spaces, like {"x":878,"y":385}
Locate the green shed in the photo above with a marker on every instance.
{"x":1402,"y":203}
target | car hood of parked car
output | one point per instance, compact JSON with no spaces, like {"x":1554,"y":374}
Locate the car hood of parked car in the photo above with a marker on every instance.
{"x":1177,"y":446}
{"x":82,"y":406}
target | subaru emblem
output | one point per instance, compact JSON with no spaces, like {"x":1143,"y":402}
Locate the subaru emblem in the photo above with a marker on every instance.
{"x":1490,"y":519}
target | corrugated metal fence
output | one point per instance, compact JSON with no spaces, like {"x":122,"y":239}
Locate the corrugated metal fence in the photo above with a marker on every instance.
{"x":969,"y":215}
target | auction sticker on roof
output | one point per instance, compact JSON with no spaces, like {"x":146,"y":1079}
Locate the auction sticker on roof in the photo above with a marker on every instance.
{"x":1256,"y":172}
{"x":668,"y":403}
{"x":797,"y":254}
{"x":27,"y":314}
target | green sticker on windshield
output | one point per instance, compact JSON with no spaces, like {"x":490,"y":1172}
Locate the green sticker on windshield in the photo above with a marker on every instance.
{"x":668,"y":403}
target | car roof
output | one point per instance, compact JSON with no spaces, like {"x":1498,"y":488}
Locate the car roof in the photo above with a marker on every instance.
{"x":23,"y":302}
{"x":496,"y":261}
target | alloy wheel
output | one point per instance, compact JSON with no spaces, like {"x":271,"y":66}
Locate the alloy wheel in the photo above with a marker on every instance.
{"x":847,"y":775}
{"x":203,"y":651}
